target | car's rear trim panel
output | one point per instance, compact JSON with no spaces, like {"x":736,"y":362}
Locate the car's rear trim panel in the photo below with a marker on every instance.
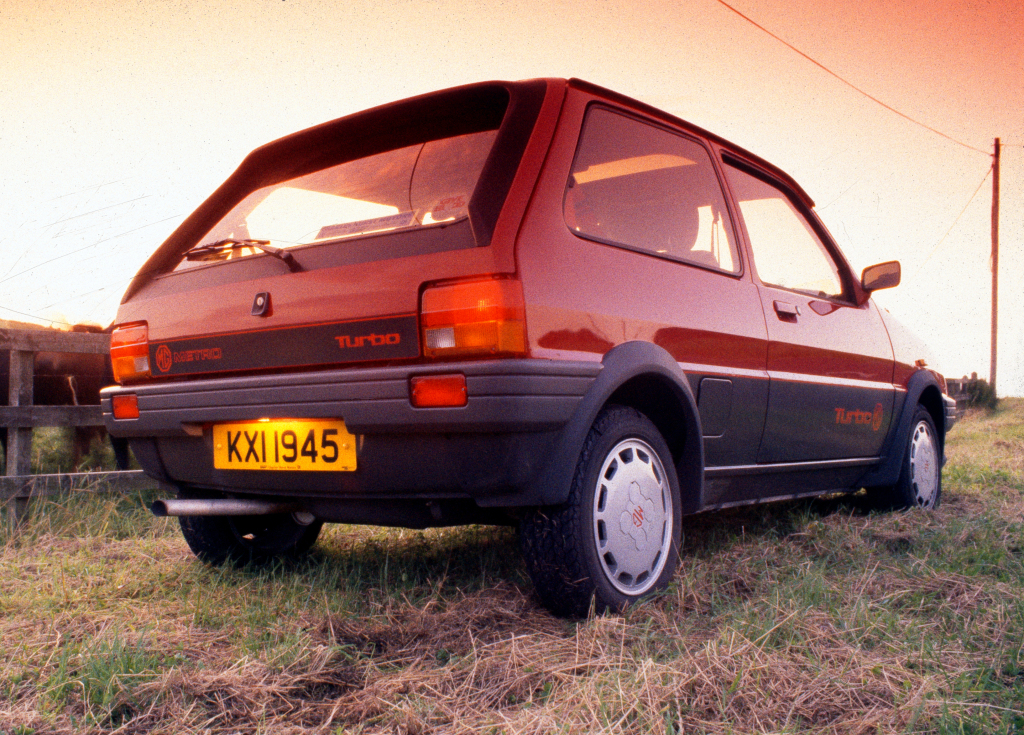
{"x":362,"y":340}
{"x":490,"y":450}
{"x":505,"y":395}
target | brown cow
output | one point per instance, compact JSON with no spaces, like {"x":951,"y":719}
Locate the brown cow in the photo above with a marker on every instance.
{"x":69,"y":379}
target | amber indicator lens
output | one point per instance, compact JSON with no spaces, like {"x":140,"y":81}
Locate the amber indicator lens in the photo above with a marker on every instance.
{"x":125,"y":406}
{"x":129,"y":351}
{"x":438,"y":391}
{"x":481,"y":317}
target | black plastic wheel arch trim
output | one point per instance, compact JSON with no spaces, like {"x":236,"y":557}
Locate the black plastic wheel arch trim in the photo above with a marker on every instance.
{"x":620,"y":365}
{"x":888,"y":470}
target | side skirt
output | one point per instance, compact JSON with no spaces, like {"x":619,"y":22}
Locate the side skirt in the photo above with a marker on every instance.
{"x":744,"y":484}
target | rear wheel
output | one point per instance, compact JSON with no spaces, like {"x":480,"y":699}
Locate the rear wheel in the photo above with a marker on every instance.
{"x":617,"y":538}
{"x":920,"y":481}
{"x":247,"y":539}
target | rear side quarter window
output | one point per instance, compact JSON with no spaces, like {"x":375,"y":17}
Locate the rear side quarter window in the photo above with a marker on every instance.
{"x":645,"y":188}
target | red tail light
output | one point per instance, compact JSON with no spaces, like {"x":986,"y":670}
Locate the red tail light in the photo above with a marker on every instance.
{"x":474,"y":318}
{"x":129,"y":352}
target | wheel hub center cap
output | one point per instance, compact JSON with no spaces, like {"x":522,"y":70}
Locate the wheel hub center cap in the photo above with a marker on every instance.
{"x":639,"y":511}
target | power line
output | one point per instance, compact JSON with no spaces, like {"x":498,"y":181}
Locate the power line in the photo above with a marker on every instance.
{"x":86,"y":247}
{"x":122,"y":282}
{"x":943,"y":238}
{"x":850,"y":84}
{"x":99,"y":209}
{"x":94,"y":188}
{"x":34,"y":316}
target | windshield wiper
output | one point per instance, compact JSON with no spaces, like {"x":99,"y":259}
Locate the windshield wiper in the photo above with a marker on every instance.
{"x":199,"y":251}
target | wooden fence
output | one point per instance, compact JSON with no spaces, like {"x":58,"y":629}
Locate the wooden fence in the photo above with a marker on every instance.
{"x":20,"y":416}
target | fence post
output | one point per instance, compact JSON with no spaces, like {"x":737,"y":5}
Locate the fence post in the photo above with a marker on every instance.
{"x":20,"y":416}
{"x":19,"y":439}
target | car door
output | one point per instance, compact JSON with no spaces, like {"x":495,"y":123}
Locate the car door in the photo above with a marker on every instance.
{"x":830,"y":362}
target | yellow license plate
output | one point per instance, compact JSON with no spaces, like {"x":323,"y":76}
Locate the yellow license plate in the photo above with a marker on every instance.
{"x":311,"y":445}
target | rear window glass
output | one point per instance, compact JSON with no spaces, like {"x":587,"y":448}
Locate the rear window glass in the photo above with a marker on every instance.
{"x":646,"y":188}
{"x":418,"y":186}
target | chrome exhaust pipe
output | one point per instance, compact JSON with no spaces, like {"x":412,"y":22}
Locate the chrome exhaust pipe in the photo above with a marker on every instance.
{"x":220,"y":507}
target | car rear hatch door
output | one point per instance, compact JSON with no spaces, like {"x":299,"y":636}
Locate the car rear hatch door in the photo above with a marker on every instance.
{"x":314,"y":252}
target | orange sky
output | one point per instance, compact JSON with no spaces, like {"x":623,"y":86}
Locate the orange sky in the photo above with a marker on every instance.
{"x":117,"y":119}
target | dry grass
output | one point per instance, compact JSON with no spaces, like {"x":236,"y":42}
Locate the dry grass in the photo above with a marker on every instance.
{"x":809,"y":618}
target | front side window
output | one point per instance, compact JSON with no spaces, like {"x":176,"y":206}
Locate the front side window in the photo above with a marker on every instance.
{"x":648,"y":189}
{"x":423,"y":185}
{"x":785,"y":249}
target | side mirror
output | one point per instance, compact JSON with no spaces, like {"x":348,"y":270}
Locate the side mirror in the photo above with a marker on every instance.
{"x":882,"y":275}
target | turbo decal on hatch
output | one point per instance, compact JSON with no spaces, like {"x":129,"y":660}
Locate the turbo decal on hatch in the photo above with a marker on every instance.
{"x":316,"y":344}
{"x":346,"y":341}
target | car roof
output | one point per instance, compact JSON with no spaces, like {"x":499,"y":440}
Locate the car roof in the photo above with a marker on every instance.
{"x":393,"y":114}
{"x":293,"y":151}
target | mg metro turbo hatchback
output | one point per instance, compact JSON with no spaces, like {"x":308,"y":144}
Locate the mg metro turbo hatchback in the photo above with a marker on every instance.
{"x":537,"y":303}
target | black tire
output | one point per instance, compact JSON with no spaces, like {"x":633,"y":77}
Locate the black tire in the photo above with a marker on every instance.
{"x":617,"y":538}
{"x":920,"y":481}
{"x":247,"y":539}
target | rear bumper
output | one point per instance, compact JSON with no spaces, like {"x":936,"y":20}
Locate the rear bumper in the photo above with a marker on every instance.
{"x":489,"y":450}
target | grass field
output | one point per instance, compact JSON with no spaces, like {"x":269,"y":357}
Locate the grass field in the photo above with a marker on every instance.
{"x":811,"y":617}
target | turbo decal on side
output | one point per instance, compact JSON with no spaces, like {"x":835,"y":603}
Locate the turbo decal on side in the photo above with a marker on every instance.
{"x":856,"y":416}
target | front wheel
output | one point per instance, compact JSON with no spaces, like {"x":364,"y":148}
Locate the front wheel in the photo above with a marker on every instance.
{"x":920,"y":481}
{"x":617,"y":538}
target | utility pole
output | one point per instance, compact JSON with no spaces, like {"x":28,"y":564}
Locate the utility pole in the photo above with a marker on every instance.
{"x":995,"y":264}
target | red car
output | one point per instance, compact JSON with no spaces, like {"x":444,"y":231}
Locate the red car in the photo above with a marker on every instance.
{"x":538,"y":303}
